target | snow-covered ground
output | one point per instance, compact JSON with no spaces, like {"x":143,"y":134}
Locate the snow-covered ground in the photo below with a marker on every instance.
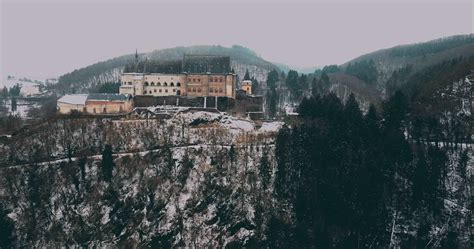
{"x":22,"y":107}
{"x":29,"y":87}
{"x":271,"y":126}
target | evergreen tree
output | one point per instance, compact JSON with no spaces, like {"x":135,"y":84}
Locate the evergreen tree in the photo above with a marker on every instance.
{"x":232,"y":153}
{"x":352,"y":110}
{"x":4,"y":92}
{"x":395,"y":111}
{"x":265,"y":170}
{"x":255,"y":86}
{"x":247,"y":75}
{"x":15,"y":90}
{"x":272,"y":79}
{"x":282,"y":159}
{"x":314,"y":88}
{"x":292,"y":83}
{"x":6,"y":229}
{"x":107,"y":163}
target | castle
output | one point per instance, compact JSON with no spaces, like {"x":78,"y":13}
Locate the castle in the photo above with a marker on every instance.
{"x":192,"y":76}
{"x":197,"y":81}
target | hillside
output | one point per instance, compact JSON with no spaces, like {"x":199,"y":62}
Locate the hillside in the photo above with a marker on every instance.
{"x":206,"y":180}
{"x":91,"y":77}
{"x":190,"y":181}
{"x":419,"y":55}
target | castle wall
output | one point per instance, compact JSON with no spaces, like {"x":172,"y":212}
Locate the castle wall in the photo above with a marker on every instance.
{"x":223,"y":103}
{"x":193,"y":85}
{"x":65,"y":108}
{"x":101,"y":107}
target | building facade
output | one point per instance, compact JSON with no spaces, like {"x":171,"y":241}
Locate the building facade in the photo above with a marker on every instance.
{"x":95,"y":103}
{"x":72,"y":102}
{"x":194,"y":76}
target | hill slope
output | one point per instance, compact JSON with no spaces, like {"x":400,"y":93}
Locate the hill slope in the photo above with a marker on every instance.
{"x":419,"y":56}
{"x":90,"y":77}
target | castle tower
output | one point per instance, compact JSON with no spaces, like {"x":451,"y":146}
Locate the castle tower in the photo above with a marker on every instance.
{"x":247,"y":86}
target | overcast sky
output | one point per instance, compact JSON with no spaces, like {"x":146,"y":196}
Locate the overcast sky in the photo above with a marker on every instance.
{"x":44,"y":38}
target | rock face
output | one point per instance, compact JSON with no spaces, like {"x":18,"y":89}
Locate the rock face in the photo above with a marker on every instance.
{"x":190,"y":181}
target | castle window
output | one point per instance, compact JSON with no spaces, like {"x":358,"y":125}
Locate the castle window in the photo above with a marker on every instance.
{"x":178,"y":84}
{"x":220,"y":90}
{"x":199,"y":89}
{"x":174,"y":90}
{"x":165,"y":84}
{"x":172,"y":84}
{"x":158,"y":84}
{"x":210,"y":90}
{"x":189,"y":89}
{"x":152,"y":84}
{"x":146,"y":83}
{"x":220,"y":80}
{"x":144,"y":92}
{"x":199,"y":80}
{"x":154,"y":90}
{"x":194,"y":89}
{"x":166,"y":90}
{"x":160,"y":90}
{"x":130,"y":83}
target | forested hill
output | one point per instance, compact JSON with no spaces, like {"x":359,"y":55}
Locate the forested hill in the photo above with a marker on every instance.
{"x":419,"y":56}
{"x":93,"y":76}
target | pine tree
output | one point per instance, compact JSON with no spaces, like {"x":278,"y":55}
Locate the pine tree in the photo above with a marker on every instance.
{"x":4,"y":92}
{"x":6,"y":229}
{"x":265,"y":170}
{"x":281,"y":152}
{"x":107,"y":163}
{"x":247,"y":75}
{"x":395,"y":111}
{"x":352,"y":110}
{"x":324,"y":82}
{"x":272,"y":79}
{"x":315,"y":90}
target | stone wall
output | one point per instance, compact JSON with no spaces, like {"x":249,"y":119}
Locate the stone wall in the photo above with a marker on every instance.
{"x":223,"y":103}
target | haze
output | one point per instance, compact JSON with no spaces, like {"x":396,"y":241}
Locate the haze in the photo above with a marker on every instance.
{"x":41,"y":38}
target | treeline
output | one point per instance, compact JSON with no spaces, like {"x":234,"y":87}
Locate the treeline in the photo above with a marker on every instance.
{"x":109,"y":87}
{"x":432,"y":47}
{"x":436,"y":95}
{"x":348,"y":179}
{"x":365,"y":70}
{"x":77,"y":79}
{"x":13,"y":91}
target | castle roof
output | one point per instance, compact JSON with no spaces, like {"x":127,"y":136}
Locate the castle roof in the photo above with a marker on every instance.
{"x":206,"y":63}
{"x":73,"y":99}
{"x":106,"y":97}
{"x":191,"y":63}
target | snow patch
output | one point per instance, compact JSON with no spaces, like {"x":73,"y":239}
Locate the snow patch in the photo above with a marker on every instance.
{"x":271,"y":126}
